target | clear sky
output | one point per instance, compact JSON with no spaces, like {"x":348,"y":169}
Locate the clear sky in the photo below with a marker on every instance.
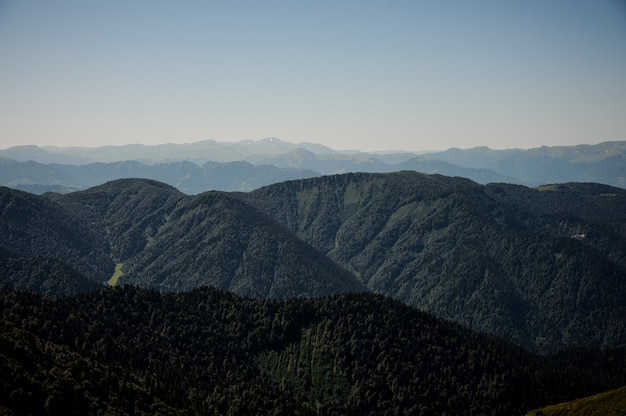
{"x":369,"y":75}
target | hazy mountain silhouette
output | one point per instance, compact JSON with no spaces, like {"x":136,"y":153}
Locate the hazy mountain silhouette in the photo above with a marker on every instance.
{"x":247,"y":165}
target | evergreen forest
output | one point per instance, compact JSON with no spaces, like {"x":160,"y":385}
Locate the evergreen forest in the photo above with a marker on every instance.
{"x":205,"y":351}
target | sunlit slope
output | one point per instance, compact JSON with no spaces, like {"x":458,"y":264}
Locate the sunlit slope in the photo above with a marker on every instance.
{"x":612,"y":402}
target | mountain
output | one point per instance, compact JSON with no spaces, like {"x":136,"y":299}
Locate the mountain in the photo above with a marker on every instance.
{"x":35,"y":177}
{"x":43,"y":275}
{"x":212,"y":352}
{"x":35,"y":227}
{"x":247,"y":165}
{"x":186,"y":176}
{"x":604,"y":163}
{"x":171,"y":241}
{"x":244,"y":176}
{"x":542,"y":267}
{"x":323,"y":163}
{"x":425,"y":164}
{"x":197,"y":152}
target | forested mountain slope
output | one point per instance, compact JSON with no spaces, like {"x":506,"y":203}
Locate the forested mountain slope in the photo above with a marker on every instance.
{"x":216,"y":353}
{"x":543,"y":268}
{"x":127,"y":213}
{"x":39,"y":377}
{"x":32,"y":226}
{"x":170,"y":241}
{"x":42,"y":275}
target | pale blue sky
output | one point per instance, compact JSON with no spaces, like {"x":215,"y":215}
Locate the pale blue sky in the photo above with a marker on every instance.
{"x":368,"y":75}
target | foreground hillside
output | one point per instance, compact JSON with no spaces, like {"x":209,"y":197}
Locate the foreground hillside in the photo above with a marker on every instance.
{"x":212,"y":352}
{"x":40,"y":377}
{"x":542,"y":267}
{"x":612,"y":402}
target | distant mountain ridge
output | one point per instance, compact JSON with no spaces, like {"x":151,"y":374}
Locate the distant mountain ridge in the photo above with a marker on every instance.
{"x":603,"y":163}
{"x":247,"y":165}
{"x":188,"y":177}
{"x":197,"y":152}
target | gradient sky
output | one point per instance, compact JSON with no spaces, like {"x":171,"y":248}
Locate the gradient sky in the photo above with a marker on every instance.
{"x":369,"y":75}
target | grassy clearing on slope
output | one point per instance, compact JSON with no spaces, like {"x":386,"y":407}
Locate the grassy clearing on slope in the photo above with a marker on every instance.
{"x":116,"y":275}
{"x":612,"y":402}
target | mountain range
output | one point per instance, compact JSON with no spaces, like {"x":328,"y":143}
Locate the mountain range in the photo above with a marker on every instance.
{"x":354,"y":293}
{"x":543,"y":267}
{"x":243,"y":166}
{"x":527,"y":264}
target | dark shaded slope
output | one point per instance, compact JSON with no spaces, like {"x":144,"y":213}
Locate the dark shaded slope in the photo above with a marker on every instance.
{"x":42,"y":275}
{"x":592,"y":213}
{"x":40,"y":377}
{"x":347,"y":354}
{"x":469,"y":253}
{"x":32,"y":226}
{"x":213,"y":239}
